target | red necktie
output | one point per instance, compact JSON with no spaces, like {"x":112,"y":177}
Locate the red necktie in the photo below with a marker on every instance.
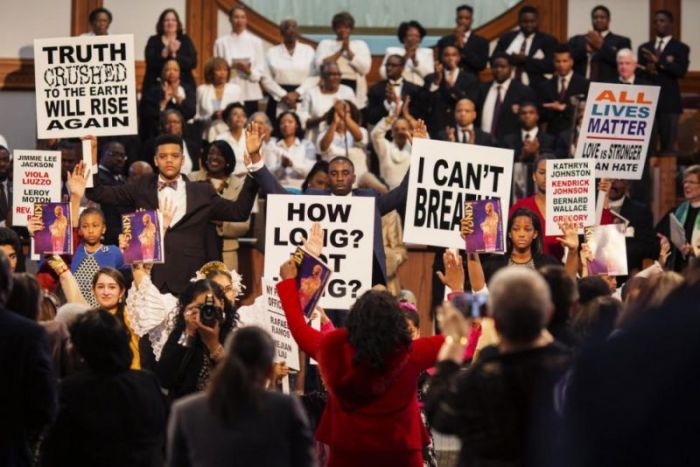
{"x":562,"y":91}
{"x":496,"y":111}
{"x":520,"y":69}
{"x":171,"y":184}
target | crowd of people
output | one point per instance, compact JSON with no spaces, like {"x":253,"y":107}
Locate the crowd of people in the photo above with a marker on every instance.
{"x":529,"y":360}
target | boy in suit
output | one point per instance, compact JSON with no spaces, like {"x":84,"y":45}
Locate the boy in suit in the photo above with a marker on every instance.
{"x":473,"y":49}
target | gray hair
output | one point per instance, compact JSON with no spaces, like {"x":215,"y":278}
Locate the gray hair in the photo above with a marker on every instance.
{"x":520,"y":303}
{"x":626,"y":53}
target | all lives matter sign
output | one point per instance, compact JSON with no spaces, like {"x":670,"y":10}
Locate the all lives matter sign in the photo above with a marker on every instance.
{"x":445,"y":175}
{"x":348,"y":225}
{"x":616,"y":128}
{"x":85,"y":86}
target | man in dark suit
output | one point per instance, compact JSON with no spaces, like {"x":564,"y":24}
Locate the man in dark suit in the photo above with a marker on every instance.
{"x":473,"y":49}
{"x":559,"y":95}
{"x":27,"y":387}
{"x":195,"y":205}
{"x":530,"y":50}
{"x":385,"y":95}
{"x":110,"y":171}
{"x":498,"y":101}
{"x":464,"y":130}
{"x":640,"y":236}
{"x":665,"y":61}
{"x":341,"y":173}
{"x":595,"y":52}
{"x":444,"y":88}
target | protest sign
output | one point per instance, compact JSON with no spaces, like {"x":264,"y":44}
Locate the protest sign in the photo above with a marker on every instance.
{"x":483,"y":219}
{"x":143,"y":231}
{"x":607,"y":250}
{"x":56,"y":237}
{"x":36,"y":179}
{"x":286,"y":348}
{"x":348,"y":224}
{"x":616,"y":128}
{"x":445,"y":175}
{"x":570,"y":194}
{"x":312,"y":277}
{"x":85,"y":85}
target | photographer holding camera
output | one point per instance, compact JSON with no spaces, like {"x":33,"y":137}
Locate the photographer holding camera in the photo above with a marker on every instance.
{"x":205,"y":317}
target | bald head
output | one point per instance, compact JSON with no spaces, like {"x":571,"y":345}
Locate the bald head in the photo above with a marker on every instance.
{"x":520,"y":304}
{"x":465,"y":113}
{"x":139,"y":168}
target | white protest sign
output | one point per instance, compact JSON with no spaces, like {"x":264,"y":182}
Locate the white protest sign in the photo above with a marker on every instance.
{"x":570,"y":194}
{"x":348,"y":224}
{"x":616,"y":128}
{"x":442,"y":176}
{"x":286,"y":348}
{"x":85,"y":85}
{"x":36,"y":178}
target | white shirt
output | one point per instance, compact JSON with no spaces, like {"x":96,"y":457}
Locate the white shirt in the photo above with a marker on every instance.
{"x":398,"y":89}
{"x":239,"y":149}
{"x":290,"y":69}
{"x":337,"y":146}
{"x":514,"y":48}
{"x":531,"y":134}
{"x":567,"y":79}
{"x":302,"y":153}
{"x":664,"y":42}
{"x":186,"y":161}
{"x":314,"y":103}
{"x":177,"y":198}
{"x":356,"y":69}
{"x":487,"y":109}
{"x":447,"y":75}
{"x":460,"y":133}
{"x":207,"y":103}
{"x":242,"y":47}
{"x":412,"y":72}
{"x":393,"y":162}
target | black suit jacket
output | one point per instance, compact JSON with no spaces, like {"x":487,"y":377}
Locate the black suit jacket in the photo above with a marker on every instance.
{"x":186,"y":58}
{"x":441,"y":102}
{"x":376,"y":96}
{"x":534,"y":67}
{"x":508,"y":121}
{"x":113,"y":214}
{"x":27,"y":388}
{"x":384,"y":203}
{"x":481,"y":138}
{"x":150,"y":108}
{"x":185,"y":242}
{"x":515,"y":141}
{"x":474,"y":53}
{"x":672,"y":66}
{"x":549,"y":92}
{"x":644,"y":244}
{"x":606,"y":57}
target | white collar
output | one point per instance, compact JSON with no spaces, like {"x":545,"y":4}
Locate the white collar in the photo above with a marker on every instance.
{"x":567,"y":77}
{"x":280,"y":142}
{"x":470,"y":127}
{"x":532,"y":133}
{"x":627,"y":81}
{"x":604,"y":33}
{"x":617,"y":203}
{"x":398,"y":81}
{"x":664,"y":40}
{"x":504,"y":85}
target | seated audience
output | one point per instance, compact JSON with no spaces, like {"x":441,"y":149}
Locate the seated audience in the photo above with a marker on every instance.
{"x":214,"y":96}
{"x":171,"y":122}
{"x":627,"y":68}
{"x":169,"y":43}
{"x":109,"y":415}
{"x":464,"y":130}
{"x":343,"y":135}
{"x":237,"y":418}
{"x":235,"y":117}
{"x":418,"y":61}
{"x":292,"y":156}
{"x":386,"y":95}
{"x":351,"y":55}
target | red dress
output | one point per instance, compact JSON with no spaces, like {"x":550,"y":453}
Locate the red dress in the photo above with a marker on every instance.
{"x":372,"y":417}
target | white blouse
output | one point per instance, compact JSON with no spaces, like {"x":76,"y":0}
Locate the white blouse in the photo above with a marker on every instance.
{"x":338,"y":145}
{"x":207,"y":103}
{"x":412,"y":72}
{"x":243,"y":47}
{"x":314,"y":103}
{"x":356,"y":69}
{"x":302,"y":153}
{"x":393,"y":162}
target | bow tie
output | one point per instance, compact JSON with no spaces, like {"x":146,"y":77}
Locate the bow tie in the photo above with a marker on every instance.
{"x":171,"y":184}
{"x":395,"y":83}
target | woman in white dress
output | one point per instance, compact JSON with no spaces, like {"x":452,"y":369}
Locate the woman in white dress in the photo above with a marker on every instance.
{"x":291,"y":157}
{"x":419,"y":60}
{"x":352,"y":56}
{"x":235,"y":117}
{"x":342,"y":135}
{"x":214,"y":96}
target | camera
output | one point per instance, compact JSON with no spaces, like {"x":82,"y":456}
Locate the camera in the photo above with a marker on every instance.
{"x":209,"y":313}
{"x":470,"y":305}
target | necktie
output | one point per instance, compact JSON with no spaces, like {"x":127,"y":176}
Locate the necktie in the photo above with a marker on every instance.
{"x":519,"y":70}
{"x":170,"y":184}
{"x":466,"y":136}
{"x":527,"y":137}
{"x":496,"y":111}
{"x":658,"y":46}
{"x":562,"y":90}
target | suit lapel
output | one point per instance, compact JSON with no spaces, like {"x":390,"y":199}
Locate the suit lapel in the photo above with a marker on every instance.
{"x":188,"y":199}
{"x":152,"y":192}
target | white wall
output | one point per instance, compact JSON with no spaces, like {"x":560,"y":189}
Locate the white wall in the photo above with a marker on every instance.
{"x":628,"y":18}
{"x":690,"y":32}
{"x":19,"y":125}
{"x":139,"y":17}
{"x":23,"y":21}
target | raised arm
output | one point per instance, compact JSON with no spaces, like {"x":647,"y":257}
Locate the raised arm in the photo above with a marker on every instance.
{"x":307,"y":337}
{"x":67,"y":279}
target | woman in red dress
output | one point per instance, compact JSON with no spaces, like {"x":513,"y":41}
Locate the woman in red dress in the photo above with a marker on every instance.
{"x":371,"y":369}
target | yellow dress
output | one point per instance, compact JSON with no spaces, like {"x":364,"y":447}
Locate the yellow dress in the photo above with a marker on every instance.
{"x":133,"y":342}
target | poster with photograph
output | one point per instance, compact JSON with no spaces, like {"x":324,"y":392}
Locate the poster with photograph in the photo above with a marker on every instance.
{"x":484,"y":220}
{"x":312,"y":277}
{"x":607,"y":250}
{"x":56,"y":236}
{"x":143,"y":232}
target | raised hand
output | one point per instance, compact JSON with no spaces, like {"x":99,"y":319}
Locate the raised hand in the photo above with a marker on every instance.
{"x":419,"y":130}
{"x":314,"y":244}
{"x":453,"y":277}
{"x":569,"y":238}
{"x":254,"y":141}
{"x":167,"y":209}
{"x":664,"y":249}
{"x":77,"y":180}
{"x":34,"y":225}
{"x":288,"y":269}
{"x":451,"y":134}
